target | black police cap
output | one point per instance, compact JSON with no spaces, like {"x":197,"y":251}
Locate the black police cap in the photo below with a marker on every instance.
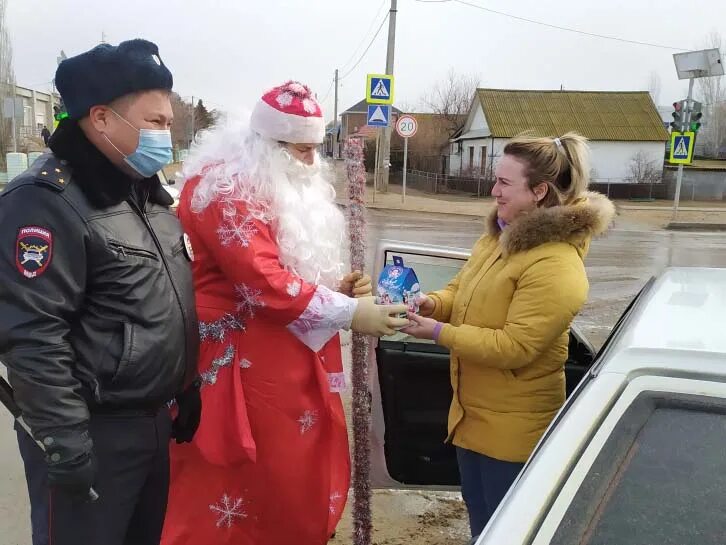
{"x":108,"y":72}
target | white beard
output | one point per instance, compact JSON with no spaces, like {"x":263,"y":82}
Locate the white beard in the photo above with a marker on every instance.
{"x":295,"y":199}
{"x":308,"y":225}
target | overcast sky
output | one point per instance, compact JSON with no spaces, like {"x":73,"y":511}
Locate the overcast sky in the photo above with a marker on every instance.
{"x":229,"y":51}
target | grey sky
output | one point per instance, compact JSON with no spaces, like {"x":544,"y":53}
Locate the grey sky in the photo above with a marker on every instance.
{"x":230,"y":51}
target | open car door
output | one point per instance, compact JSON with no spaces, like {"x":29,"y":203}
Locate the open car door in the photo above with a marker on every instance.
{"x":410,"y":385}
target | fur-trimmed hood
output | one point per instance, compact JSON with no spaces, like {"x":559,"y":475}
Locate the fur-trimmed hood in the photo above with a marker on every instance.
{"x":575,"y":223}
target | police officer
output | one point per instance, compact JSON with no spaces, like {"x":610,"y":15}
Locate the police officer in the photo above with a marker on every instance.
{"x":97,"y":319}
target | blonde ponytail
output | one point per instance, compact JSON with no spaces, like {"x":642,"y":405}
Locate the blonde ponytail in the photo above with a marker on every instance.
{"x":562,"y":163}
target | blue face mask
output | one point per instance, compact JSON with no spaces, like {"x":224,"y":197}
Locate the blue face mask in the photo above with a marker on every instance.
{"x":152,"y":154}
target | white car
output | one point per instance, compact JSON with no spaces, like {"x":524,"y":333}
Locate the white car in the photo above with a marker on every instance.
{"x":168,"y":187}
{"x":637,"y":456}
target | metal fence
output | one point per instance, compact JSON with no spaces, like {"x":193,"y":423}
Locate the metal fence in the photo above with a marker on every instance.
{"x":431,"y":182}
{"x":614,"y":188}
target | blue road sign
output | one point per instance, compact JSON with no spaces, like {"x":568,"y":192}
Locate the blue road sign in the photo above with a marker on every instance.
{"x":681,"y":147}
{"x":379,"y":89}
{"x":378,"y":115}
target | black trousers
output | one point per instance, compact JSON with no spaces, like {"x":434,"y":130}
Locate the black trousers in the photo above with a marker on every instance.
{"x":132,"y":451}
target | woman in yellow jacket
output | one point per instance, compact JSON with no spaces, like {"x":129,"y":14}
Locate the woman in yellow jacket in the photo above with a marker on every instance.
{"x":506,"y":316}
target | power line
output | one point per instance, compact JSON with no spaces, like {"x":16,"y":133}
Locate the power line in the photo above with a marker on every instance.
{"x":367,"y":33}
{"x":549,"y":25}
{"x":327,"y":93}
{"x":367,"y":48}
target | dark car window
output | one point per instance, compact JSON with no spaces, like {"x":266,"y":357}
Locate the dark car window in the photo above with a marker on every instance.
{"x":659,"y":480}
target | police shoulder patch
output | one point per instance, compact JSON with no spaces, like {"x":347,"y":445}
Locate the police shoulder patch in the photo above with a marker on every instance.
{"x":33,"y":250}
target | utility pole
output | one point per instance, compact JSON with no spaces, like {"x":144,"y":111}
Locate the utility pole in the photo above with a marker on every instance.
{"x":191,"y":136}
{"x":335,"y":118}
{"x":384,"y":157}
{"x":686,"y":127}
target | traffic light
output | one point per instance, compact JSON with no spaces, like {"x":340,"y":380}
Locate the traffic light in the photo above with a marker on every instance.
{"x":677,"y":123}
{"x":59,"y":111}
{"x":696,"y":115}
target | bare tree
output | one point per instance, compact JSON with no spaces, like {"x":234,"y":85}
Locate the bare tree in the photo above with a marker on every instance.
{"x":654,"y":86}
{"x":7,"y":81}
{"x":451,"y":98}
{"x":642,"y":170}
{"x":181,"y":129}
{"x":712,"y":93}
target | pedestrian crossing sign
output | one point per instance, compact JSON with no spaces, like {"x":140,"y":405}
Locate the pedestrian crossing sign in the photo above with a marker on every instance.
{"x":379,"y":115}
{"x":682,"y":147}
{"x":379,"y":89}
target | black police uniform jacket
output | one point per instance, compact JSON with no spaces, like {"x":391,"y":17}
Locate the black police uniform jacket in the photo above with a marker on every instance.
{"x":96,"y":298}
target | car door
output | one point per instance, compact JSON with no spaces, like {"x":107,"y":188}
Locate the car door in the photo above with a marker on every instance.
{"x":410,"y":385}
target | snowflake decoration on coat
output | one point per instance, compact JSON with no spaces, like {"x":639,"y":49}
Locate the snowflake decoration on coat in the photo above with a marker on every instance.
{"x":307,"y":421}
{"x":244,"y":363}
{"x":209,"y":377}
{"x":218,"y":330}
{"x":248,"y":299}
{"x":234,"y":231}
{"x":293,"y":288}
{"x":230,"y":511}
{"x":334,"y":499}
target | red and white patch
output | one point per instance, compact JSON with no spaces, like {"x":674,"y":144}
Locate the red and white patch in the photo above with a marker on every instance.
{"x":188,"y":250}
{"x":33,"y":250}
{"x":336,"y":381}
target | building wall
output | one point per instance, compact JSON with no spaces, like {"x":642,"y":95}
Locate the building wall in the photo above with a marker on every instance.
{"x":469,"y":161}
{"x":37,"y":110}
{"x":479,"y":121}
{"x":699,"y":185}
{"x":611,"y":160}
{"x":351,"y":121}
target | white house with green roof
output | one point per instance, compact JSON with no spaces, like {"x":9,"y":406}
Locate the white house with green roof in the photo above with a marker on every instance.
{"x":619,"y":125}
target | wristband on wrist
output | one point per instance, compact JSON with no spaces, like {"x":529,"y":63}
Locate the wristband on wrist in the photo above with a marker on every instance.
{"x":437,"y":331}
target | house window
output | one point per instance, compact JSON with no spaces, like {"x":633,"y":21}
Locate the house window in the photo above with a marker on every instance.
{"x":471,"y":157}
{"x":483,"y":161}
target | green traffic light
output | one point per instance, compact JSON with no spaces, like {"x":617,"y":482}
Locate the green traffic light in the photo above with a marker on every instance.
{"x":695,"y":126}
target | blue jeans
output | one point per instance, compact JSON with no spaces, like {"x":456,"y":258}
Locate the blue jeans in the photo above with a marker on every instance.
{"x":484,"y":483}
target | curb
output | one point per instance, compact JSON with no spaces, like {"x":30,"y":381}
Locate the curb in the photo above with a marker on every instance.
{"x":374,"y":206}
{"x":686,"y":226}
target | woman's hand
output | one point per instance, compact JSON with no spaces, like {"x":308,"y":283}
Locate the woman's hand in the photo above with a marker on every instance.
{"x":420,"y":327}
{"x":356,"y":284}
{"x":426,"y":305}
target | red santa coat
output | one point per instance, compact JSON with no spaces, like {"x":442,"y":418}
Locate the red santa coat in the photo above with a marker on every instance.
{"x":270,"y":461}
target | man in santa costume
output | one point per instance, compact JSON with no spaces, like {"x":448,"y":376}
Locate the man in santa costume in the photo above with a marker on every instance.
{"x":269,"y":464}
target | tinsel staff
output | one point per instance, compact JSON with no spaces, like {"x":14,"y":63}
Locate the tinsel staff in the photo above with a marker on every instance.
{"x":362,"y":523}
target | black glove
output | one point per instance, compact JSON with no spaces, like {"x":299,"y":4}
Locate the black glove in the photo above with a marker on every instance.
{"x":189,"y":403}
{"x":70,"y":463}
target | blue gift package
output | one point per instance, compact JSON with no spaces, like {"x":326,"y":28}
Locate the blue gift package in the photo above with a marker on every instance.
{"x":398,"y":284}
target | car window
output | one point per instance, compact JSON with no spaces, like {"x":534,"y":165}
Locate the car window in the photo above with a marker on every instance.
{"x":433,"y":273}
{"x":660,"y":478}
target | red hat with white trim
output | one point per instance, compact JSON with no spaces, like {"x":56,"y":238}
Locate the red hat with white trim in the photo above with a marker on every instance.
{"x":289,"y":113}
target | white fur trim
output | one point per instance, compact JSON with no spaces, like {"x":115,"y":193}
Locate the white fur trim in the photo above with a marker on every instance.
{"x":282,"y":127}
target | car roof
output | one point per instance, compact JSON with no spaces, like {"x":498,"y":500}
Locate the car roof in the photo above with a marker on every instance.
{"x":677,"y":325}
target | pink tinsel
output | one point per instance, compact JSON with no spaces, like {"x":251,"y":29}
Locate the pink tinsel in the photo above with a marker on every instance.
{"x":362,"y":523}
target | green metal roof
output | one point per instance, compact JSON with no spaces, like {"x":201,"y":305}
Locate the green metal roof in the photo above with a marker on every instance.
{"x":597,"y":115}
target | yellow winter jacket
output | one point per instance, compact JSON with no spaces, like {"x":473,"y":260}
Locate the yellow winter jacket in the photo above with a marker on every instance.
{"x":508,"y":314}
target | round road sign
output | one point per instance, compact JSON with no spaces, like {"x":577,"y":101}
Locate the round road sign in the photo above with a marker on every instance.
{"x":406,"y":126}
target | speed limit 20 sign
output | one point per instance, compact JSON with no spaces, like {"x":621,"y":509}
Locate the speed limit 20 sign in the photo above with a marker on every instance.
{"x":406,"y":126}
